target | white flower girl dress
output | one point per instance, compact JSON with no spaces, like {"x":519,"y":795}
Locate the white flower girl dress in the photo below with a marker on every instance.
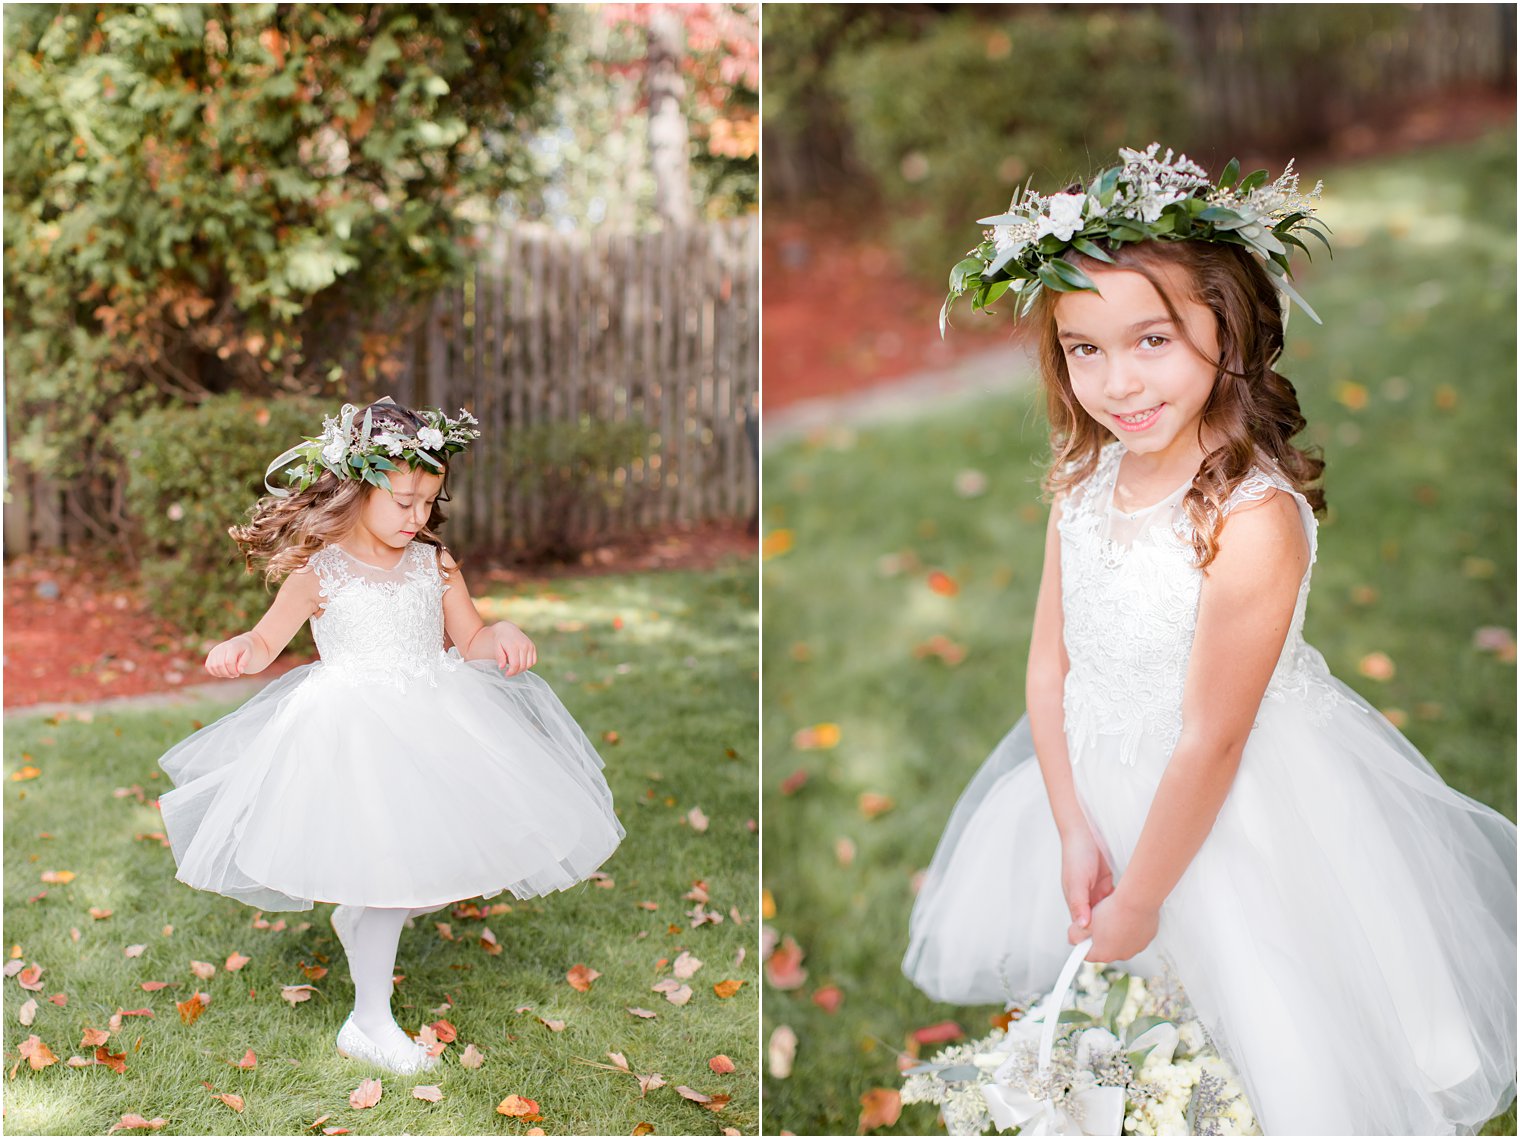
{"x":389,"y":772}
{"x":1346,"y":933}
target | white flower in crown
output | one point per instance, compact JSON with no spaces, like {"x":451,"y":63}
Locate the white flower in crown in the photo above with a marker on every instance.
{"x":1064,"y":217}
{"x":431,"y":438}
{"x":334,"y":449}
{"x":392,"y":442}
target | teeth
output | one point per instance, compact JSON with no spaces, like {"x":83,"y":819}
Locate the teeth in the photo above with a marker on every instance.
{"x":1137,"y":417}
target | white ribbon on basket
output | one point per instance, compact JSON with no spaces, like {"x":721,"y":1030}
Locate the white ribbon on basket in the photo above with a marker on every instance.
{"x":1093,"y":1111}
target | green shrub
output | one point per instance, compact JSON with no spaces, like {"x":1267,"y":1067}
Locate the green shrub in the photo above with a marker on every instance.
{"x":192,"y":473}
{"x":950,"y":123}
{"x":564,"y":464}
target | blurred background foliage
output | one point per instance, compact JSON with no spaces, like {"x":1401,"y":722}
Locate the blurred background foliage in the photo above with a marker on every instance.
{"x":930,"y":115}
{"x":261,"y":199}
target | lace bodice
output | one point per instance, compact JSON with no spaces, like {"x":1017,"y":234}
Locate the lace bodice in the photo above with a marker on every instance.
{"x":1129,"y":594}
{"x":381,"y":626}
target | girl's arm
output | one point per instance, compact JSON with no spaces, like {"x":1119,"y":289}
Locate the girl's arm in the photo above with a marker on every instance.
{"x":504,"y":642}
{"x":253,"y":651}
{"x":1085,"y":876}
{"x":1244,"y":612}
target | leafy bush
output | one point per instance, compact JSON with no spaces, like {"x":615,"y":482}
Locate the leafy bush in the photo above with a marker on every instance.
{"x":565,"y":464}
{"x":192,"y":473}
{"x":950,"y":123}
{"x":203,"y":198}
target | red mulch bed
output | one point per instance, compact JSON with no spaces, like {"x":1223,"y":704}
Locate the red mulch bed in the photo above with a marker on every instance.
{"x":77,"y":629}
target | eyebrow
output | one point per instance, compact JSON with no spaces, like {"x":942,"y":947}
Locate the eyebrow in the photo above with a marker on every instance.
{"x":1139,"y":325}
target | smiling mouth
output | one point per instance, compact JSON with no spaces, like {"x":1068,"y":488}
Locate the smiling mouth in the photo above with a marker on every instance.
{"x":1135,"y":420}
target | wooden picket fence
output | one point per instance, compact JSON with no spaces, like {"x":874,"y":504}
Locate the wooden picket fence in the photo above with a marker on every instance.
{"x":658,"y":332}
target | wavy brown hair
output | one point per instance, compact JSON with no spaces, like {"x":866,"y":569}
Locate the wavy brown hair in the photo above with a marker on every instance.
{"x":283,"y":532}
{"x":1252,"y":407}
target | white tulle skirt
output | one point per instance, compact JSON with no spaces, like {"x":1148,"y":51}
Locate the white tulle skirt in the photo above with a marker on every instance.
{"x":320,"y":789}
{"x":1346,"y":932}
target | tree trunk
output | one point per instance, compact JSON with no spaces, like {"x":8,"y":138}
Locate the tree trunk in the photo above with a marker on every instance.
{"x":669,"y":136}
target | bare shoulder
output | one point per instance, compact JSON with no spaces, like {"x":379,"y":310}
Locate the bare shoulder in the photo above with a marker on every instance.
{"x":1262,"y":538}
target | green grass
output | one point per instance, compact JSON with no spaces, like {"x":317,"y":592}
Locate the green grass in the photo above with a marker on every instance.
{"x":1418,"y":552}
{"x":676,"y":683}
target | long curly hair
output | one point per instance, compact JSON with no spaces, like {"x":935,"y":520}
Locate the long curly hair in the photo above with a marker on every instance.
{"x":1253,"y":407}
{"x":283,"y":532}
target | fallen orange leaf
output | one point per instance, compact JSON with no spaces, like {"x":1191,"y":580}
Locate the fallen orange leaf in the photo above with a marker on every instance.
{"x":236,"y":961}
{"x":722,"y":1065}
{"x":942,"y":584}
{"x":116,"y":1061}
{"x":472,"y":1057}
{"x":819,"y":736}
{"x":828,"y":998}
{"x":697,"y":820}
{"x":134,"y":1122}
{"x":99,"y":914}
{"x":793,"y":782}
{"x":580,"y":977}
{"x":58,"y":877}
{"x":643,"y":1013}
{"x":726,"y":989}
{"x":941,"y":1033}
{"x":430,"y":1092}
{"x":783,"y":969}
{"x":27,"y":772}
{"x":134,"y":950}
{"x":203,"y":969}
{"x":446,"y":1031}
{"x":519,"y":1107}
{"x":31,"y":978}
{"x":551,"y":1025}
{"x":367,"y":1094}
{"x":233,"y":1101}
{"x":36,"y":1053}
{"x":295,"y":994}
{"x":192,"y":1006}
{"x":879,"y":1107}
{"x":154,"y":986}
{"x":872,"y":804}
{"x":249,"y":1060}
{"x":92,"y":1037}
{"x":642,"y":1129}
{"x":27,"y":1013}
{"x":776,"y":543}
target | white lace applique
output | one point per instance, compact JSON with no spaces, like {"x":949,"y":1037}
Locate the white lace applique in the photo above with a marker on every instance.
{"x":1130,"y":595}
{"x":381,"y":625}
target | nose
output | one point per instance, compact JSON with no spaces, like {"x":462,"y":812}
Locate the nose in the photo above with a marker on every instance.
{"x":1121,"y":379}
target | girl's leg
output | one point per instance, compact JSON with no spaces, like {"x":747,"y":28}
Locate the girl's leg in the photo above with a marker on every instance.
{"x":372,"y":937}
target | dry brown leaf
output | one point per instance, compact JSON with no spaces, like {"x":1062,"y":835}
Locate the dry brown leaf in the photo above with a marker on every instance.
{"x":236,"y":961}
{"x":59,"y":999}
{"x":793,"y":782}
{"x":650,"y":1082}
{"x":31,"y":978}
{"x":233,"y":1101}
{"x":697,"y":820}
{"x":519,"y":1107}
{"x":691,"y":1094}
{"x":685,"y":966}
{"x":488,"y":942}
{"x":37,"y":1054}
{"x":99,"y":914}
{"x":552,"y":1025}
{"x":192,"y":1006}
{"x":873,"y":804}
{"x":472,"y":1057}
{"x":134,"y":1122}
{"x":430,"y":1092}
{"x":446,"y":1031}
{"x":781,"y":1051}
{"x":92,"y":1037}
{"x":445,"y":930}
{"x":726,"y":989}
{"x":249,"y":1060}
{"x":828,"y":998}
{"x":732,"y":1131}
{"x":153,"y":986}
{"x":679,"y":994}
{"x":367,"y":1094}
{"x":642,"y":1129}
{"x":580,"y":977}
{"x":722,"y":1065}
{"x":58,"y":877}
{"x":619,"y":1059}
{"x":13,"y":967}
{"x":79,"y":1062}
{"x":879,"y":1107}
{"x":28,"y":1012}
{"x":203,"y":969}
{"x":295,"y":994}
{"x":134,"y":950}
{"x":783,"y":968}
{"x":643,"y":1013}
{"x":116,"y":1061}
{"x":647,"y":905}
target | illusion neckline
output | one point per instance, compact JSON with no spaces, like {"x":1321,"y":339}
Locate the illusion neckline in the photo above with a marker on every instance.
{"x":383,"y":569}
{"x":1113,"y":486}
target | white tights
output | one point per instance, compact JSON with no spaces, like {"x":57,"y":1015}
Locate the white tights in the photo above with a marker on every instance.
{"x":371,"y":948}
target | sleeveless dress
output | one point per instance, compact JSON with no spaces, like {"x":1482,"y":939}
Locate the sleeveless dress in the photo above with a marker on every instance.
{"x":389,"y":772}
{"x":1346,"y":933}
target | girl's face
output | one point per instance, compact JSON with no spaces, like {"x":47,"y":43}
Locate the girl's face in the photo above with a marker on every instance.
{"x":394,"y":516}
{"x":1132,"y":369}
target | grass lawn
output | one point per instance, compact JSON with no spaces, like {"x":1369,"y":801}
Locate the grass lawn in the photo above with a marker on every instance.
{"x":660,"y":670}
{"x":1409,"y":386}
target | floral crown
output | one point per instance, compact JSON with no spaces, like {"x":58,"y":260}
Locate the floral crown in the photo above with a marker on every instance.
{"x":1145,"y":199}
{"x":350,"y":451}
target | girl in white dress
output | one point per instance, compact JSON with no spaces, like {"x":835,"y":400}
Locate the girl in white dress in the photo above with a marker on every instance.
{"x":1190,"y":786}
{"x":390,"y":777}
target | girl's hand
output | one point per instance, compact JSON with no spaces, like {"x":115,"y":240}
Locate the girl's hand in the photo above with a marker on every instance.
{"x":230,"y":658}
{"x":1085,"y":880}
{"x":514,"y":651}
{"x":1119,"y":928}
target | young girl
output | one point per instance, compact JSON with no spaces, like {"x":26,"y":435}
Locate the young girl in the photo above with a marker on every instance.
{"x":390,"y":777}
{"x":1190,"y":785}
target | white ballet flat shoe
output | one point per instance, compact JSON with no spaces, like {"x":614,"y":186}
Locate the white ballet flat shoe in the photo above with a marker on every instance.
{"x":354,"y":1044}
